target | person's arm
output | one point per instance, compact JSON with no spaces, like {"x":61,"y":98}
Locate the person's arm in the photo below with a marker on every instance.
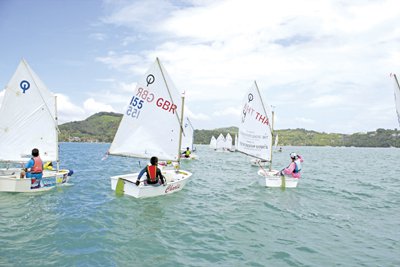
{"x":300,"y":158}
{"x":290,"y":169}
{"x":160,"y":176}
{"x":140,"y":175}
{"x":29,"y":165}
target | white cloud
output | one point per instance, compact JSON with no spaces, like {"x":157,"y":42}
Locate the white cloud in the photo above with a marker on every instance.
{"x":319,"y":55}
{"x":67,"y":111}
{"x":304,"y":120}
{"x":325,"y":101}
{"x":93,"y":106}
{"x":228,"y":111}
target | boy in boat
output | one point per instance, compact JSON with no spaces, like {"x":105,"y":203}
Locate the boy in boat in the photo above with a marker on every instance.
{"x":153,"y":173}
{"x":294,"y":167}
{"x":34,"y":169}
{"x":187,"y":153}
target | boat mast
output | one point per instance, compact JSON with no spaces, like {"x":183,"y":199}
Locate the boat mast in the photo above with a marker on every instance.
{"x":57,"y":130}
{"x":180,"y":129}
{"x":180,"y":121}
{"x":272,"y":134}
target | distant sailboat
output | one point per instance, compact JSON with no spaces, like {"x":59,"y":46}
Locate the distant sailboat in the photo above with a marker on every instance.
{"x":236,"y":142}
{"x":397,"y":96}
{"x":187,"y":139}
{"x":213,"y":143}
{"x":228,"y":142}
{"x":255,"y":137}
{"x":28,"y":119}
{"x":220,"y":145}
{"x":276,"y":149}
{"x":151,"y":126}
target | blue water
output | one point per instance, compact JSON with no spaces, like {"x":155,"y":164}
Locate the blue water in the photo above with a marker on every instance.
{"x":344,"y":212}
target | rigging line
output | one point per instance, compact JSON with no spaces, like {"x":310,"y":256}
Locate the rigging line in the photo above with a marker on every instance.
{"x":262,"y":103}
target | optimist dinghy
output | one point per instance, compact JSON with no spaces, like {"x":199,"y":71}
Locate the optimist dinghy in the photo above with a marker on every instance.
{"x":255,"y":138}
{"x":151,"y":126}
{"x":28,"y":119}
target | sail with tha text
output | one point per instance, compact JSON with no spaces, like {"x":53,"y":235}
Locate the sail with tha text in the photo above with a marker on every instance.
{"x":255,"y":129}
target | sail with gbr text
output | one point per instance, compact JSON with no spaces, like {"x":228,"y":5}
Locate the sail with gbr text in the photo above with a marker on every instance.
{"x":151,"y":124}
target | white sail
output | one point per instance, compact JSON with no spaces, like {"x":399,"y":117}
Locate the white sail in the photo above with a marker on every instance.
{"x":220,"y":142}
{"x":213,"y":143}
{"x":276,"y":142}
{"x":236,"y":141}
{"x":27,"y":118}
{"x":255,"y":131}
{"x":228,"y":142}
{"x":188,"y":135}
{"x":150,"y":125}
{"x":397,"y":96}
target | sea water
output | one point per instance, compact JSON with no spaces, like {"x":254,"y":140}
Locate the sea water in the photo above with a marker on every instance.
{"x":344,"y":212}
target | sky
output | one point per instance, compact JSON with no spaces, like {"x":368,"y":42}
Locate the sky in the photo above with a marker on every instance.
{"x":322,"y":65}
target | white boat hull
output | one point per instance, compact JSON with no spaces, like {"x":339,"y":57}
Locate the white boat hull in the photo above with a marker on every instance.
{"x":14,"y":184}
{"x":176,"y":180}
{"x":10,"y":180}
{"x":192,"y":156}
{"x":270,"y":179}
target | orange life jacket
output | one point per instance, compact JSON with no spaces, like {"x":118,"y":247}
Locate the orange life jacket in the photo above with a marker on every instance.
{"x":37,"y":165}
{"x":152,"y":173}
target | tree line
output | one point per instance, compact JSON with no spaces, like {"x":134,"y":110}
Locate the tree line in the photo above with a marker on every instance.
{"x":102,"y":126}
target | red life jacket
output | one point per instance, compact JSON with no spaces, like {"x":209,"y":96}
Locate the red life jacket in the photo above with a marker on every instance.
{"x":37,"y":165}
{"x":152,"y":173}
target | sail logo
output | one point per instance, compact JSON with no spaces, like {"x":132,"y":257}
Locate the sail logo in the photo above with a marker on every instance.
{"x":25,"y":85}
{"x":150,"y":79}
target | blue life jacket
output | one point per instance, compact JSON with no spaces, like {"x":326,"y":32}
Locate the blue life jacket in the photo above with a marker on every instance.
{"x":298,"y":166}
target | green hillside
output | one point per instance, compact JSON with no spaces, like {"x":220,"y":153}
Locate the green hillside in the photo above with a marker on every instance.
{"x":101,"y":127}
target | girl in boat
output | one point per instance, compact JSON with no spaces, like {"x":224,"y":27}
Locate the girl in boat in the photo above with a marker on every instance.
{"x":294,"y":167}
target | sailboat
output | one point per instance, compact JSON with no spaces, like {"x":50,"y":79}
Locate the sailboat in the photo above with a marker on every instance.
{"x":187,"y":139}
{"x":228,"y":143}
{"x":220,"y":144}
{"x":213,"y":143}
{"x":236,"y":141}
{"x":28,"y":119}
{"x":255,"y":138}
{"x":397,"y":96}
{"x":151,"y":126}
{"x":276,"y":149}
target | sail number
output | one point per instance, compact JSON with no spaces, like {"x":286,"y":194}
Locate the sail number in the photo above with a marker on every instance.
{"x":134,"y":107}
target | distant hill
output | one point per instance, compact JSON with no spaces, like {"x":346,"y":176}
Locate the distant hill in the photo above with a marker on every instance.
{"x":101,"y":127}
